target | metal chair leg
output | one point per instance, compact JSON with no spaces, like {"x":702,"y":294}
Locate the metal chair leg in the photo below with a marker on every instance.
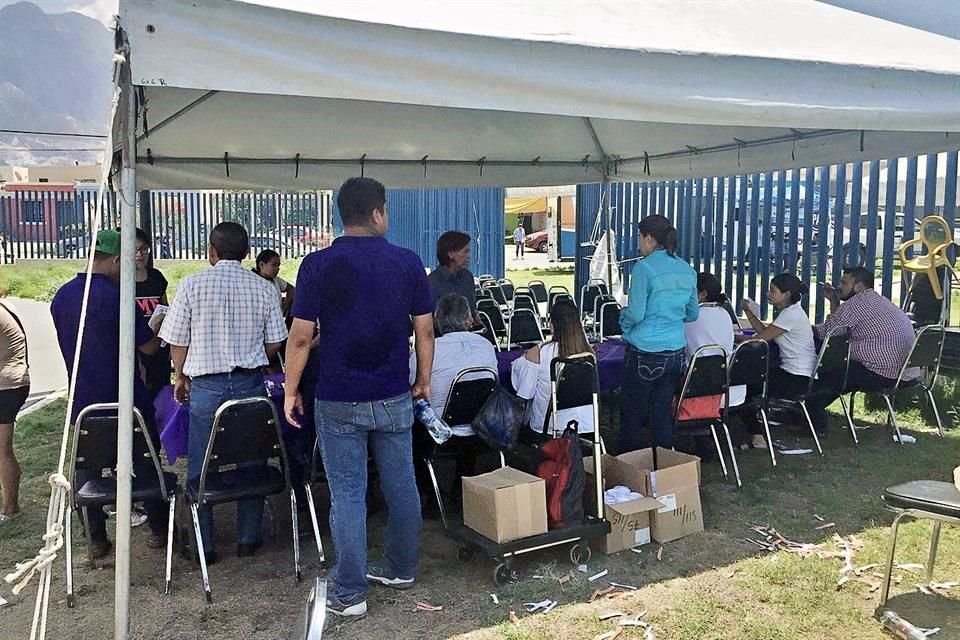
{"x":849,"y":415}
{"x":766,"y":428}
{"x":171,"y":518}
{"x":313,"y":520}
{"x":716,"y":442}
{"x":69,"y":552}
{"x":198,"y":547}
{"x":813,"y":432}
{"x":936,"y":411}
{"x":885,"y":591}
{"x":436,"y":492}
{"x":893,"y":417}
{"x":932,"y":557}
{"x":86,"y":532}
{"x":503,"y":460}
{"x":295,"y":522}
{"x":268,"y":508}
{"x":733,"y":455}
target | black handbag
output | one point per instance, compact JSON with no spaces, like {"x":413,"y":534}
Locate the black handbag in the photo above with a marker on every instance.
{"x":500,"y":419}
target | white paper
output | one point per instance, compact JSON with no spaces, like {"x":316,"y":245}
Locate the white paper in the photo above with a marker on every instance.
{"x":641,"y":536}
{"x":796,"y":452}
{"x":669,"y":503}
{"x":753,"y":306}
{"x":906,"y":439}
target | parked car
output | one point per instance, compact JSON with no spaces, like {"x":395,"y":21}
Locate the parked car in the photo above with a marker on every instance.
{"x":286,"y":248}
{"x":537,"y":241}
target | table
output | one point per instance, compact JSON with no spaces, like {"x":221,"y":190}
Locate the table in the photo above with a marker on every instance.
{"x":173,"y":418}
{"x":609,"y":364}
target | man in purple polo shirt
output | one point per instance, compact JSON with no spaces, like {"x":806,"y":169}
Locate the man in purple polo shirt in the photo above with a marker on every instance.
{"x":97,"y":374}
{"x":361,"y":293}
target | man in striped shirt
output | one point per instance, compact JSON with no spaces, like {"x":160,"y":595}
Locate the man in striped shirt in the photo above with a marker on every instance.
{"x":881,"y":335}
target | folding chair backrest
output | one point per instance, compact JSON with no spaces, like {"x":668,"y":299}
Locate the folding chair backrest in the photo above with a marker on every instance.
{"x":484,"y":278}
{"x":601,"y":283}
{"x":489,"y":332}
{"x":95,"y":440}
{"x":706,"y":373}
{"x":557,"y":293}
{"x":598,"y":302}
{"x":507,"y":287}
{"x":468,"y":393}
{"x":539,"y":289}
{"x":525,"y":302}
{"x":731,"y":312}
{"x":749,"y":364}
{"x":576,"y":380}
{"x":927,"y":349}
{"x":496,"y":291}
{"x":481,"y":292}
{"x":524,"y":328}
{"x":830,"y":374}
{"x":588,"y":294}
{"x":610,"y":320}
{"x":245,"y":430}
{"x":523,"y":291}
{"x":492,"y":309}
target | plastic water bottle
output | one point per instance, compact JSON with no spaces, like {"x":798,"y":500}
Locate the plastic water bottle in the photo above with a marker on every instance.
{"x":439,"y":430}
{"x":900,"y":627}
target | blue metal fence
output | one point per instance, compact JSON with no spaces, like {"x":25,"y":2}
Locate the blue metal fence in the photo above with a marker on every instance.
{"x":812,"y":221}
{"x":417,"y":218}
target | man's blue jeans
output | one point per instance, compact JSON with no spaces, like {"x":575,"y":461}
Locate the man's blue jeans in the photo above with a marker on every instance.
{"x":347,"y":430}
{"x":207,"y":393}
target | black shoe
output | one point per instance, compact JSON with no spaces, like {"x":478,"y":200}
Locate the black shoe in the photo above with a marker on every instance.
{"x":247,"y":550}
{"x":346,"y":609}
{"x":209,"y":557}
{"x":100,"y":549}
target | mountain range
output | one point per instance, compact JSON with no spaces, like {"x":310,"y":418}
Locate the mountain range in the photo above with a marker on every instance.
{"x":55,"y":73}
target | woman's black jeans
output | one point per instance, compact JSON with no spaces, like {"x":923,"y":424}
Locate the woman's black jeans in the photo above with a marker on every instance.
{"x":646,"y":397}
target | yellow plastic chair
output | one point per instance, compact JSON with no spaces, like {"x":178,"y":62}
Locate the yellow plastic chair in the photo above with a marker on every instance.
{"x":936,"y":237}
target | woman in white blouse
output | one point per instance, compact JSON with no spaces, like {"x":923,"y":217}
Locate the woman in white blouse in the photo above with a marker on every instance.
{"x":714,"y":326}
{"x":530,"y":374}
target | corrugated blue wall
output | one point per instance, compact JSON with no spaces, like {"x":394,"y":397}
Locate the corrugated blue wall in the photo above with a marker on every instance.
{"x":417,"y":217}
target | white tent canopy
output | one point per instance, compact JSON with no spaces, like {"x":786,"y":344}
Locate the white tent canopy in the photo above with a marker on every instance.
{"x":285,"y":95}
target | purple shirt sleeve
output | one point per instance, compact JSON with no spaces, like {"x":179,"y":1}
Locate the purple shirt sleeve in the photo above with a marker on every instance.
{"x":305,"y":304}
{"x":422,"y":299}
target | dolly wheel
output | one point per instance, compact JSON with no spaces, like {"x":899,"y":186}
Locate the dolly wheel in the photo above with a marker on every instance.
{"x":503,"y":575}
{"x":464,"y":554}
{"x":580,"y":553}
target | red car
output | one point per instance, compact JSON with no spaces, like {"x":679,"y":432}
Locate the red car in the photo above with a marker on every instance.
{"x":537,"y":241}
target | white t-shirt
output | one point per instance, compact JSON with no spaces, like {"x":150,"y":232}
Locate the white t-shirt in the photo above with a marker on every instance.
{"x":714,"y":326}
{"x":532,"y":382}
{"x":454,"y":352}
{"x":798,"y":354}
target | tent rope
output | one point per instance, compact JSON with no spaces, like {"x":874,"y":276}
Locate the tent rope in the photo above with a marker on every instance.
{"x":60,"y":491}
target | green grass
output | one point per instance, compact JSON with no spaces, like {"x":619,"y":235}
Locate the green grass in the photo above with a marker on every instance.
{"x":40,"y":279}
{"x":552,"y":277}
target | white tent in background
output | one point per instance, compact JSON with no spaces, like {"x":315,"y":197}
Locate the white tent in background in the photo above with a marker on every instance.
{"x":281,"y":94}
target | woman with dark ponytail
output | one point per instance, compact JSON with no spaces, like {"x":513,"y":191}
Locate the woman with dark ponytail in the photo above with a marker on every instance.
{"x":792,"y":333}
{"x":663,"y":296}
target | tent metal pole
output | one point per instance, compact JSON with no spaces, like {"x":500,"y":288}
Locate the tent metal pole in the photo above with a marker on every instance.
{"x":606,"y":197}
{"x":127,"y":363}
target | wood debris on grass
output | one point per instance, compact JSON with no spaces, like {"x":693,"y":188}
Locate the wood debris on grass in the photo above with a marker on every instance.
{"x":513,"y":617}
{"x":425,"y":606}
{"x":610,"y":635}
{"x":597,"y":593}
{"x":909,"y":566}
{"x":565,"y":579}
{"x":730,"y":574}
{"x":660,"y":553}
{"x":606,"y":615}
{"x":828,"y":525}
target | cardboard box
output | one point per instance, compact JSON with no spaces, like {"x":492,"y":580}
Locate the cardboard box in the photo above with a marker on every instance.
{"x":675,"y":482}
{"x":629,"y":521}
{"x":505,"y":504}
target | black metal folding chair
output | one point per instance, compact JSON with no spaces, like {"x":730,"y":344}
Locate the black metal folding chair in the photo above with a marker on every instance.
{"x":557,"y":293}
{"x":524,"y":329}
{"x":574,"y":384}
{"x":922,"y":499}
{"x":609,"y":324}
{"x":95,"y":450}
{"x":468,"y":393}
{"x":925,"y":354}
{"x":245,"y":437}
{"x":749,"y":366}
{"x":506,"y":285}
{"x":539,"y":290}
{"x":829,"y":377}
{"x":521,"y":301}
{"x":497,"y":292}
{"x":492,"y":309}
{"x":707,"y":377}
{"x":489,"y":330}
{"x":588,"y":295}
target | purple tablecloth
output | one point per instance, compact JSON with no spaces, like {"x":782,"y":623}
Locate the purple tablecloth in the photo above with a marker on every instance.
{"x":609,"y":364}
{"x":173,"y":418}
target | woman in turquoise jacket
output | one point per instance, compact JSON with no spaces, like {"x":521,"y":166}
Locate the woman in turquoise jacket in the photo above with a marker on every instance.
{"x":663,"y":296}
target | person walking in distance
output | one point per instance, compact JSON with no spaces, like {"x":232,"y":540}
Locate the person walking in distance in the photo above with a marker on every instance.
{"x":519,"y":238}
{"x":362,"y":293}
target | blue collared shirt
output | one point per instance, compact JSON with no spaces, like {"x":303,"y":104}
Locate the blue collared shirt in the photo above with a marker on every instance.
{"x":663,"y":295}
